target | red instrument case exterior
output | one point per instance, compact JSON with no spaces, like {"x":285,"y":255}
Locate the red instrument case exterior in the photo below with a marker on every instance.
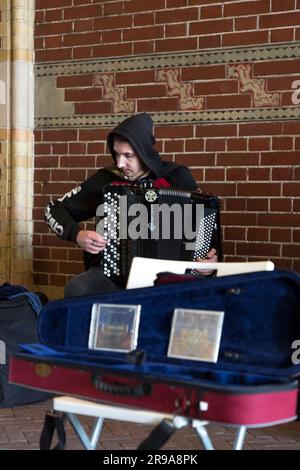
{"x":253,"y":383}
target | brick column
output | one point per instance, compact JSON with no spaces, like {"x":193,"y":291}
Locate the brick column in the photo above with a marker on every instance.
{"x":16,"y":137}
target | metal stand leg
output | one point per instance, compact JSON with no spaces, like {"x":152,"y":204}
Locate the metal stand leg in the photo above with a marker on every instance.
{"x":203,"y":435}
{"x":240,"y":437}
{"x":89,"y":443}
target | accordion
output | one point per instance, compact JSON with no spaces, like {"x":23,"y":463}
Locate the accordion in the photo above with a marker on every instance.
{"x":163,"y":223}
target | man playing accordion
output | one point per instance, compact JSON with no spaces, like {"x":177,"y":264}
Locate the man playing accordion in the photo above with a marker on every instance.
{"x":135,"y":161}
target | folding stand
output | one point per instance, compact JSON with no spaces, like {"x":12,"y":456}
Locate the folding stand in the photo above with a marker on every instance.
{"x":71,"y":407}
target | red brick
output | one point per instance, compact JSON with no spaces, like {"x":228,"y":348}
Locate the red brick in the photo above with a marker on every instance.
{"x":280,"y":158}
{"x":143,"y":47}
{"x":192,"y":145}
{"x":113,"y":8}
{"x":245,"y":23}
{"x":41,"y":252}
{"x":148,"y":91}
{"x":244,"y":219}
{"x":78,"y":162}
{"x":280,"y":83}
{"x":83,"y":25}
{"x":292,"y":128}
{"x":41,"y":279}
{"x":296,"y":236}
{"x":182,"y":44}
{"x":291,"y":251}
{"x":59,"y":135}
{"x":279,"y":5}
{"x":254,"y":205}
{"x":179,"y":131}
{"x":279,"y":220}
{"x":221,"y":189}
{"x":111,"y":36}
{"x":214,"y":145}
{"x":53,"y":42}
{"x":282,"y":35}
{"x":143,"y":19}
{"x":181,"y":15}
{"x":258,"y":189}
{"x":133,"y":6}
{"x":112,"y":50}
{"x":207,"y":42}
{"x":45,"y":4}
{"x":246,"y":8}
{"x":83,"y":12}
{"x":135,"y":77}
{"x":231,"y":101}
{"x":216,"y":130}
{"x":176,"y":3}
{"x":93,"y":108}
{"x":280,"y":205}
{"x":257,"y":249}
{"x":82,"y":39}
{"x":291,"y":189}
{"x":174,"y":145}
{"x":278,"y":20}
{"x":175,"y":30}
{"x":236,"y":174}
{"x":48,"y":29}
{"x":77,"y":148}
{"x":51,"y":15}
{"x":45,"y":266}
{"x":138,"y":34}
{"x":238,"y":159}
{"x":82,"y":52}
{"x":282,"y":174}
{"x":58,"y":280}
{"x":199,"y":159}
{"x":260,"y":143}
{"x":70,"y":267}
{"x":162,"y":104}
{"x":259,"y":174}
{"x":234,"y":233}
{"x":240,"y":39}
{"x":46,"y":162}
{"x":212,"y":11}
{"x":83,"y":94}
{"x":203,"y":72}
{"x":280,"y":235}
{"x":214,"y":174}
{"x":281,"y":67}
{"x":53,"y":55}
{"x":93,"y":134}
{"x":258,"y":234}
{"x":72,"y":81}
{"x":211,"y":27}
{"x":260,"y":128}
{"x":216,"y":87}
{"x":113,"y":22}
{"x":282,"y":143}
{"x":236,"y":144}
{"x":235,"y":204}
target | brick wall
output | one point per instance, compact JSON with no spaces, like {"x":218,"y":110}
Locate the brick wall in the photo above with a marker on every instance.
{"x":220,"y":80}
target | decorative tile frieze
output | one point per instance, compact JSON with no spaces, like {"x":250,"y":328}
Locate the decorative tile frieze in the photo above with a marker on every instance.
{"x":159,"y":61}
{"x":203,"y":117}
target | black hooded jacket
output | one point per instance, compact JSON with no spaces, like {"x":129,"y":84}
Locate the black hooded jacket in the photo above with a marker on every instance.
{"x":80,"y":204}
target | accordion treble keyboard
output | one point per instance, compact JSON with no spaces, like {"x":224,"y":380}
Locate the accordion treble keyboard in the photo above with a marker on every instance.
{"x":156,"y":223}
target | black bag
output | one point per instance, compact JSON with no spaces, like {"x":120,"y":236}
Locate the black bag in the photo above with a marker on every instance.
{"x":19,"y":311}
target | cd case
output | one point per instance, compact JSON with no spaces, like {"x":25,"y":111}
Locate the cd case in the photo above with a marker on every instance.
{"x":196,"y":334}
{"x":114,"y":327}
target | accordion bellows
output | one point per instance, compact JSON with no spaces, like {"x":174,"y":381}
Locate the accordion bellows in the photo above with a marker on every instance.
{"x":163,"y":223}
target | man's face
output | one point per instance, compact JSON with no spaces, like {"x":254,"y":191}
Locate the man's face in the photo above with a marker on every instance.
{"x":127,"y":160}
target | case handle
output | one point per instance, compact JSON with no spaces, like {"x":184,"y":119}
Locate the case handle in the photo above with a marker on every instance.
{"x":127,"y":390}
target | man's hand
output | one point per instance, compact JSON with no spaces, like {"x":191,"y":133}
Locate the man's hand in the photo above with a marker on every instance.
{"x":211,"y":258}
{"x":90,"y":241}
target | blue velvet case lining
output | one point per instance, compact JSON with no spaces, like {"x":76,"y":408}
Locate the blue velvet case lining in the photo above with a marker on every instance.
{"x":261,"y":321}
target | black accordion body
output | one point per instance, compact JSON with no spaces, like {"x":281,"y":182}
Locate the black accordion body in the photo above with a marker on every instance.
{"x":163,"y":223}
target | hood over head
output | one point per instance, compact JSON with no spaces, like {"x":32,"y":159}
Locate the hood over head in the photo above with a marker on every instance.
{"x":138,"y":131}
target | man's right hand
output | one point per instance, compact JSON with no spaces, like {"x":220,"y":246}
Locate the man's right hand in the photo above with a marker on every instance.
{"x":90,"y":241}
